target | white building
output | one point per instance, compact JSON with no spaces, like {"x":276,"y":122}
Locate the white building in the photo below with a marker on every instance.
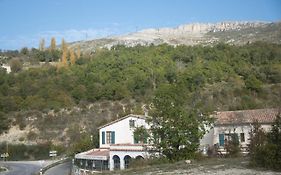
{"x":238,"y":123}
{"x":117,"y":145}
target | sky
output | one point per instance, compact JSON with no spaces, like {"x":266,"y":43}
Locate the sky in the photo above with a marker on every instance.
{"x":25,"y":22}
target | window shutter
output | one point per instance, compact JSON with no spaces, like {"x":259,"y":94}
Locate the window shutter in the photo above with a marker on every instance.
{"x":103,"y":137}
{"x":113,"y":137}
{"x":221,"y":139}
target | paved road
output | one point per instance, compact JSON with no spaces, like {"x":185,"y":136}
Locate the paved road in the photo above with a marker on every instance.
{"x":21,"y":167}
{"x":62,"y":169}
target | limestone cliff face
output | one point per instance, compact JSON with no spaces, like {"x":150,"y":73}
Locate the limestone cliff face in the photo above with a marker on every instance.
{"x":192,"y":34}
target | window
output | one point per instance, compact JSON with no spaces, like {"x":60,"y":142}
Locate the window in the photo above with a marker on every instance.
{"x":242,"y":137}
{"x":108,"y":137}
{"x":127,"y":160}
{"x":132,"y":123}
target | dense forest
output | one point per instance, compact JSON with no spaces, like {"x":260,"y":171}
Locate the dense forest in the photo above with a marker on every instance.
{"x":220,"y":77}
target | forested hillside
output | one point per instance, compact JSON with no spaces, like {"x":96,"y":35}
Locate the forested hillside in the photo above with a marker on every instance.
{"x":220,"y":77}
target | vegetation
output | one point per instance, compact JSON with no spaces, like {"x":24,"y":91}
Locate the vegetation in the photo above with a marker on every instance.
{"x":4,"y":123}
{"x":220,"y":77}
{"x":141,"y":135}
{"x":26,"y":152}
{"x":232,"y":146}
{"x":176,"y":130}
{"x":265,"y":147}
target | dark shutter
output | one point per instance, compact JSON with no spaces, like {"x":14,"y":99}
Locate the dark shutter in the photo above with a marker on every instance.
{"x":112,"y":137}
{"x":221,"y":139}
{"x":103,"y":137}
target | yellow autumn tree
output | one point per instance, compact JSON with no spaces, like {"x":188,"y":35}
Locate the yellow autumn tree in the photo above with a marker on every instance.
{"x":42,"y":45}
{"x":64,"y":61}
{"x":72,"y":56}
{"x":63,"y":44}
{"x":78,"y":53}
{"x":53,"y":44}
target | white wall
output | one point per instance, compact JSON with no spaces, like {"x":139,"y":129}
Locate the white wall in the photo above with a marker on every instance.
{"x":122,"y":154}
{"x":212,"y":137}
{"x":123,"y":132}
{"x":207,"y":139}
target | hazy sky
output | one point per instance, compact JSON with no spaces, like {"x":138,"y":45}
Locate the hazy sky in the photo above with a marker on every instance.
{"x":24,"y":22}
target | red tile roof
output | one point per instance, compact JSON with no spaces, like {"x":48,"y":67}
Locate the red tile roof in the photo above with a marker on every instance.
{"x":246,"y":116}
{"x":99,"y":152}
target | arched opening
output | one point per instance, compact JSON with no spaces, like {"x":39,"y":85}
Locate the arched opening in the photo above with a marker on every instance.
{"x":139,"y":158}
{"x":116,"y":161}
{"x":127,"y":160}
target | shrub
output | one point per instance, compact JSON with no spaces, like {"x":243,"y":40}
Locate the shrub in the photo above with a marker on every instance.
{"x":265,"y":148}
{"x":232,"y":147}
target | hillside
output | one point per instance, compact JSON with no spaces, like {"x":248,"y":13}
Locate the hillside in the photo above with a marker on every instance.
{"x":63,"y":106}
{"x":238,"y":33}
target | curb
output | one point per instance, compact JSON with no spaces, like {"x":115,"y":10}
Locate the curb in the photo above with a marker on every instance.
{"x":43,"y":170}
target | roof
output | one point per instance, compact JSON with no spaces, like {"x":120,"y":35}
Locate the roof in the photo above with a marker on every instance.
{"x":122,"y":118}
{"x":98,"y":152}
{"x":94,"y":154}
{"x":246,"y":116}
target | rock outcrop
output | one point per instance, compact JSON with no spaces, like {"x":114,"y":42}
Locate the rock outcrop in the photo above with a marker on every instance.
{"x":192,"y":34}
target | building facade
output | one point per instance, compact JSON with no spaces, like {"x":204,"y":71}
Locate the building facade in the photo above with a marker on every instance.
{"x":117,"y":146}
{"x":239,"y":124}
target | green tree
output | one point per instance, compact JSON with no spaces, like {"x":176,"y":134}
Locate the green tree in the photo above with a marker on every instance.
{"x":175,"y":129}
{"x":257,"y":142}
{"x":274,"y":140}
{"x":141,"y":135}
{"x":4,"y":123}
{"x":253,"y":83}
{"x":24,"y":51}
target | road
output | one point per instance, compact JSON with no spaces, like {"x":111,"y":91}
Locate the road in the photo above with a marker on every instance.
{"x":62,"y":169}
{"x":21,"y":167}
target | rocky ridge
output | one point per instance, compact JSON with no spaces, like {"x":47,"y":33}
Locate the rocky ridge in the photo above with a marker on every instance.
{"x":192,"y":34}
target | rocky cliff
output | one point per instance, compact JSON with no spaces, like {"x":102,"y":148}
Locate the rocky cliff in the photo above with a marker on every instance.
{"x":192,"y":34}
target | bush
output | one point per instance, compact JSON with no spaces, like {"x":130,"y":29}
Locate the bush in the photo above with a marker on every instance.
{"x":265,"y":148}
{"x":233,"y":146}
{"x":4,"y":123}
{"x":26,"y":152}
